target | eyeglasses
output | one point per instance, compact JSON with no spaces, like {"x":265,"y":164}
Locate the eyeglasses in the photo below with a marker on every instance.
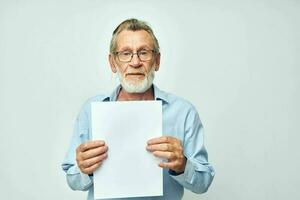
{"x":126,"y":56}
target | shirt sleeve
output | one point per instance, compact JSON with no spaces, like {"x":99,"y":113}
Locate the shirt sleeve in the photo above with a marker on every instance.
{"x":75,"y":178}
{"x":198,"y":173}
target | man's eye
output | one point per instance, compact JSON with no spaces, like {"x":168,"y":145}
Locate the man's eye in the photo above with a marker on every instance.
{"x":126,"y":53}
{"x":143,"y":53}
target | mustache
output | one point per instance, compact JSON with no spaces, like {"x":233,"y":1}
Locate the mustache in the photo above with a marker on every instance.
{"x":130,"y":71}
{"x":136,"y":72}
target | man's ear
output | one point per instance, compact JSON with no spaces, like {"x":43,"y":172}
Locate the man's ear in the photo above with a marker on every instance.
{"x":157,"y":62}
{"x":112,"y":63}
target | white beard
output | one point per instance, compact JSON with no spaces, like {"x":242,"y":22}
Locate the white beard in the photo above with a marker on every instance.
{"x":141,"y":86}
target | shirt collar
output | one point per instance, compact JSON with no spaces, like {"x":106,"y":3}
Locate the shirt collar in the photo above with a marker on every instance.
{"x":158,"y":94}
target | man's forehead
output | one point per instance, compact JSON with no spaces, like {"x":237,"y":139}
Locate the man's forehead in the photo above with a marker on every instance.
{"x":134,"y":39}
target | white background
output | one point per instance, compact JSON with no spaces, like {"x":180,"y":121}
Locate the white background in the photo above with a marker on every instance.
{"x":236,"y":61}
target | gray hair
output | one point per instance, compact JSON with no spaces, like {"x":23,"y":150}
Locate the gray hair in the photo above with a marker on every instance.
{"x":132,"y":25}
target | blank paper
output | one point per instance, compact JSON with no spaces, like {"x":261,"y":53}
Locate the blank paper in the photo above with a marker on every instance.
{"x":130,"y":170}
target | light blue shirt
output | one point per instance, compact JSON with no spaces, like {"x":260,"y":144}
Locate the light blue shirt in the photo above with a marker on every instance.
{"x":180,"y":120}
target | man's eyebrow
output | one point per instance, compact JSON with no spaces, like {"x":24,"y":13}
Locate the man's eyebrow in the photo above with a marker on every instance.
{"x":143,"y":47}
{"x":125,"y":49}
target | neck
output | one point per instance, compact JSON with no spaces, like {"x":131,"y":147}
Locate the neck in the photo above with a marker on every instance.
{"x":125,"y":96}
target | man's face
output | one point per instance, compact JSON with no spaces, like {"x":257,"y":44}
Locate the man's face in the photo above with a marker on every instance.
{"x":135,"y":76}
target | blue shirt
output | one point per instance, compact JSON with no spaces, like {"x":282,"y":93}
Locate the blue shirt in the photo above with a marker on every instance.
{"x":180,"y":120}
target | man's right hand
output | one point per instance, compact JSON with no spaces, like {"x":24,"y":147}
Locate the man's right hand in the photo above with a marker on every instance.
{"x":90,"y":155}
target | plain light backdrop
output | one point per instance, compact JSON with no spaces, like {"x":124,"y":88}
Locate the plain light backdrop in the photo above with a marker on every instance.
{"x":236,"y":61}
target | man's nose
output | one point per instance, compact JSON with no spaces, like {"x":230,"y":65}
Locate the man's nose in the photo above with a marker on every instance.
{"x":135,"y":61}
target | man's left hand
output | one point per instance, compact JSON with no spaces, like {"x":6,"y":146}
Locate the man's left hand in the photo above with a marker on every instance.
{"x":169,"y":148}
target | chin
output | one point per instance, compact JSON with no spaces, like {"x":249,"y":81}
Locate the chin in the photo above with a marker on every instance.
{"x":133,"y":87}
{"x":136,"y":86}
{"x":134,"y":83}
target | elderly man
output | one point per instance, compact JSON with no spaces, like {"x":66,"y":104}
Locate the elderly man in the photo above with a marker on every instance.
{"x":135,"y":56}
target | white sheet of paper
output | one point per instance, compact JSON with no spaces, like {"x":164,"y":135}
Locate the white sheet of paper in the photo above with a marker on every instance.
{"x":130,"y":170}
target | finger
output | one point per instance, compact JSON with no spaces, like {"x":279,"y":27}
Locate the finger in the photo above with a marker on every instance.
{"x":168,"y":165}
{"x":92,"y":161}
{"x":163,"y":139}
{"x":159,"y":147}
{"x":94,"y":152}
{"x":164,"y":154}
{"x":91,"y":144}
{"x":91,"y":169}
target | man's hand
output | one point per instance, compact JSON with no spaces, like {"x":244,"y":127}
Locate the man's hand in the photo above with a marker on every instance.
{"x":169,"y":148}
{"x":90,"y":155}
